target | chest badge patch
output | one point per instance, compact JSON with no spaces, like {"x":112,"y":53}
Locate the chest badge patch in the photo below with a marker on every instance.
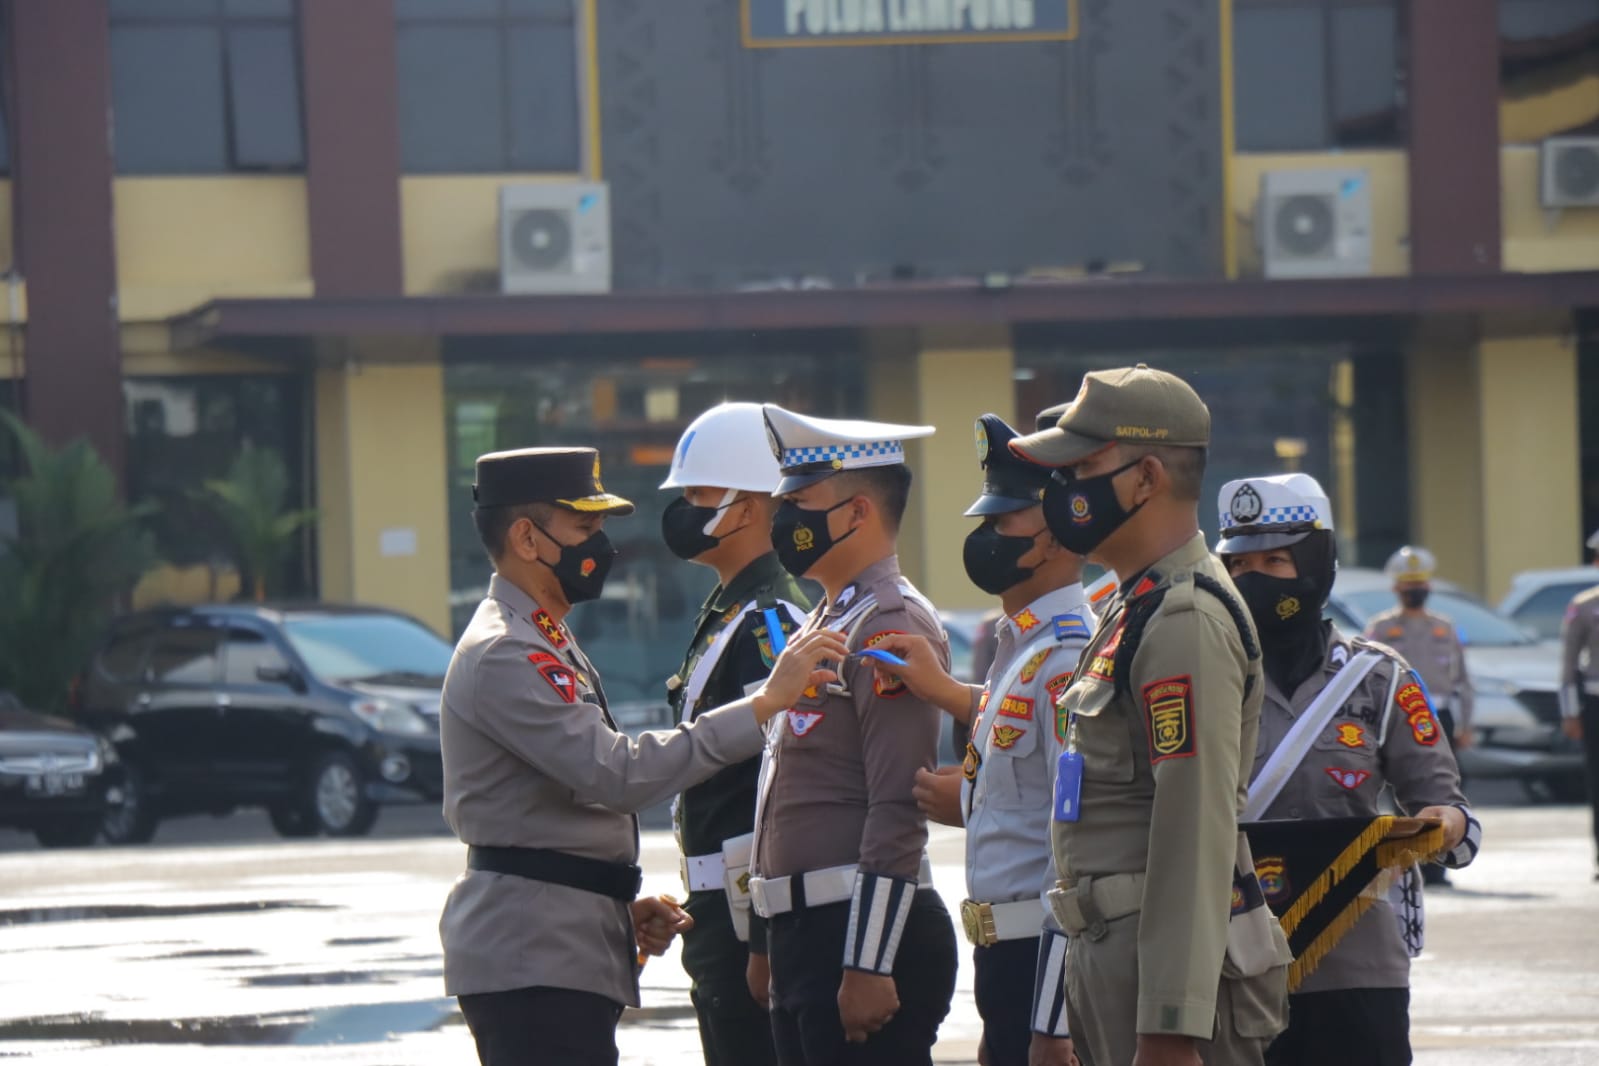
{"x":1006,"y":736}
{"x":1351,"y":735}
{"x":1031,"y":667}
{"x":1170,"y":718}
{"x":1350,"y":779}
{"x":802,"y":722}
{"x":550,"y":628}
{"x":970,"y":765}
{"x":885,"y":687}
{"x":1016,"y":707}
{"x":1272,"y":873}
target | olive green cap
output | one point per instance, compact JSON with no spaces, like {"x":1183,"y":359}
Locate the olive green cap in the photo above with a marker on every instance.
{"x":1127,"y":405}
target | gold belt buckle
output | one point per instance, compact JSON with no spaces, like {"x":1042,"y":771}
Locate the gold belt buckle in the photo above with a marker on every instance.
{"x":682,"y":869}
{"x":978,"y":920}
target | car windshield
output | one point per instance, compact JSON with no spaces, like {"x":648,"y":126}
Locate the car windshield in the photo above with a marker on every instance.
{"x":379,"y":649}
{"x":1478,"y":625}
{"x":1544,"y":610}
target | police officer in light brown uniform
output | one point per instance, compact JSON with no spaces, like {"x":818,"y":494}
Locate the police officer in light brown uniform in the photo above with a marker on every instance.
{"x":1579,"y":680}
{"x":1344,"y":721}
{"x":1162,"y":721}
{"x":1427,"y":640}
{"x":862,"y":952}
{"x":542,"y":933}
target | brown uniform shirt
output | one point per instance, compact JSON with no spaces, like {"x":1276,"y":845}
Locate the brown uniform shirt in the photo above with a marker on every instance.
{"x":1579,"y":652}
{"x":1383,"y":736}
{"x":532,"y":759}
{"x":843,"y":761}
{"x":1430,"y":644}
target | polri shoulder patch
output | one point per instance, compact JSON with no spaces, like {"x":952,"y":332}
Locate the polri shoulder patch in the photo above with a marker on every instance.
{"x":1169,"y":706}
{"x":885,"y":687}
{"x":559,"y":676}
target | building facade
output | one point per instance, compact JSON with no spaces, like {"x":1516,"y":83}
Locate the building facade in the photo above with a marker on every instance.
{"x":278,"y":222}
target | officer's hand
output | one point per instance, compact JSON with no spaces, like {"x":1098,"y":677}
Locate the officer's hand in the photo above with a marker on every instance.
{"x":1454,"y":820}
{"x":938,"y":794}
{"x":656,"y":921}
{"x":922,"y":673}
{"x":1573,"y":727}
{"x":758,"y":975}
{"x":1464,"y":739}
{"x":799,"y":668}
{"x":1051,"y":1051}
{"x":866,"y":1003}
{"x":1166,"y":1050}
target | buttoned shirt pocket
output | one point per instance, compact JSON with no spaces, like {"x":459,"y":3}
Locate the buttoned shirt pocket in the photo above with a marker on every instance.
{"x":1005,"y":764}
{"x":1101,"y":732}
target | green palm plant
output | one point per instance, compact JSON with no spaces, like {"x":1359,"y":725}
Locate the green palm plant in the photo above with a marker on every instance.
{"x":250,"y":501}
{"x":78,"y":550}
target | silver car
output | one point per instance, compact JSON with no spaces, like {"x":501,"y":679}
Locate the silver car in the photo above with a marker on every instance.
{"x":1538,"y":599}
{"x":1517,"y":715}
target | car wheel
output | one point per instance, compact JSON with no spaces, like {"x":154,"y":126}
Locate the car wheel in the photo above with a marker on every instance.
{"x":336,"y":798}
{"x":69,"y":832}
{"x":130,"y":818}
{"x":291,"y":821}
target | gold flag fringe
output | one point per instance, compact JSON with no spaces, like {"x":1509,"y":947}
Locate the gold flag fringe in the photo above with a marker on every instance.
{"x":1341,"y":868}
{"x":1425,"y":846}
{"x":1306,"y":962}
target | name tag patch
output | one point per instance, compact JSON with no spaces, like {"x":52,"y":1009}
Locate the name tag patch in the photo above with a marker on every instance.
{"x":1016,"y":707}
{"x":1170,"y":718}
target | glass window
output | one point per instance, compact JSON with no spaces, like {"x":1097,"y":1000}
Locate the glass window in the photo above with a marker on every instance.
{"x":205,"y":86}
{"x":246,"y":654}
{"x":631,"y":398}
{"x":186,"y":656}
{"x":376,"y":648}
{"x":1315,"y":74}
{"x":1548,"y":52}
{"x":123,"y":657}
{"x":488,"y":85}
{"x":1544,"y":610}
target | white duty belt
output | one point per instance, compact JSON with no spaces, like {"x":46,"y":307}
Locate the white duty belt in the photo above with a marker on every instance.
{"x":835,"y":884}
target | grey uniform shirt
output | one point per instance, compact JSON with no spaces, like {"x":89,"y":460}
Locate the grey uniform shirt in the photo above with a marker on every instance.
{"x":1016,"y":740}
{"x":1383,"y":736}
{"x":1431,"y":645}
{"x":1579,"y":652}
{"x":532,"y":759}
{"x":843,"y":761}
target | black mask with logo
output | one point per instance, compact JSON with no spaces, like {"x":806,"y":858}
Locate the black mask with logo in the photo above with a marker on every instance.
{"x":1083,"y":512}
{"x":582,"y":567}
{"x":992,"y":558}
{"x":1414,"y":598}
{"x":683,"y":526}
{"x":1287,"y":611}
{"x":800,"y":535}
{"x":1279,"y":605}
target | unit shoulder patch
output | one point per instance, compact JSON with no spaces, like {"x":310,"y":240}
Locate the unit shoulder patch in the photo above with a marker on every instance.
{"x":1016,"y":707}
{"x":884,"y":687}
{"x":1169,"y":706}
{"x":560,"y":678}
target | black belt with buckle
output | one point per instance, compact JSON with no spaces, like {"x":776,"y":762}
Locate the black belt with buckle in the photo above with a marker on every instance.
{"x":618,"y":880}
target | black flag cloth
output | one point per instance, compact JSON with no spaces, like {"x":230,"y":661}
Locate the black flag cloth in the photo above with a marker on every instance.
{"x":1318,"y":874}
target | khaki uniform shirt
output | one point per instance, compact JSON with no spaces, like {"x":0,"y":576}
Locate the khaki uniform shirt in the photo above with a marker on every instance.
{"x":1166,"y":755}
{"x":533,"y":759}
{"x":1579,"y":652}
{"x":1372,"y":743}
{"x":843,"y":761}
{"x":1430,"y":644}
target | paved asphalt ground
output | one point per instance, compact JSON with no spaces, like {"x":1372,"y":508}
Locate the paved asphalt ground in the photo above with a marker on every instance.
{"x":221,"y":944}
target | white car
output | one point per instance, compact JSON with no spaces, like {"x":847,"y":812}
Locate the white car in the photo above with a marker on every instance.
{"x":1517,"y":714}
{"x":1538,"y":599}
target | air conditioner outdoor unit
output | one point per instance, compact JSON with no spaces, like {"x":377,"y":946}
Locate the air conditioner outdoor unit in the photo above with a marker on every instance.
{"x":1314,"y":223}
{"x":1570,"y":172}
{"x":555,"y":238}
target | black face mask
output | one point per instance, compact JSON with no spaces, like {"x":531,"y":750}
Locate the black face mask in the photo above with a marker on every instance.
{"x":683,"y":528}
{"x":1280,"y":605}
{"x":800,"y":536}
{"x":991,"y":558}
{"x":1082,"y":512}
{"x":1415,"y":599}
{"x":582,"y":567}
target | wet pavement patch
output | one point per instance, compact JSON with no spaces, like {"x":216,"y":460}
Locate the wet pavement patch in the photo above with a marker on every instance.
{"x":362,"y":941}
{"x":360,"y":1023}
{"x":336,"y":977}
{"x":99,"y":912}
{"x":212,"y":953}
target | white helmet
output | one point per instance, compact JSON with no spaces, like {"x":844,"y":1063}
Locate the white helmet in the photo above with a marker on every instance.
{"x":1411,"y":565}
{"x":1263,"y":513}
{"x":725,"y":448}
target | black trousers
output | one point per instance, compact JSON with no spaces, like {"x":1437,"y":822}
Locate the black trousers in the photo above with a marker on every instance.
{"x":1004,"y":992}
{"x":1590,"y":750}
{"x":807,"y":951}
{"x":539,"y":1026}
{"x":1369,"y":1026}
{"x":734,"y":1029}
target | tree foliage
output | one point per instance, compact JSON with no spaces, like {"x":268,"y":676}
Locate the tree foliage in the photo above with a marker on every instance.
{"x":250,"y":501}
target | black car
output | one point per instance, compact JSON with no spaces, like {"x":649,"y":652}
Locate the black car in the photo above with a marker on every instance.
{"x":53,"y":776}
{"x":317,"y":713}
